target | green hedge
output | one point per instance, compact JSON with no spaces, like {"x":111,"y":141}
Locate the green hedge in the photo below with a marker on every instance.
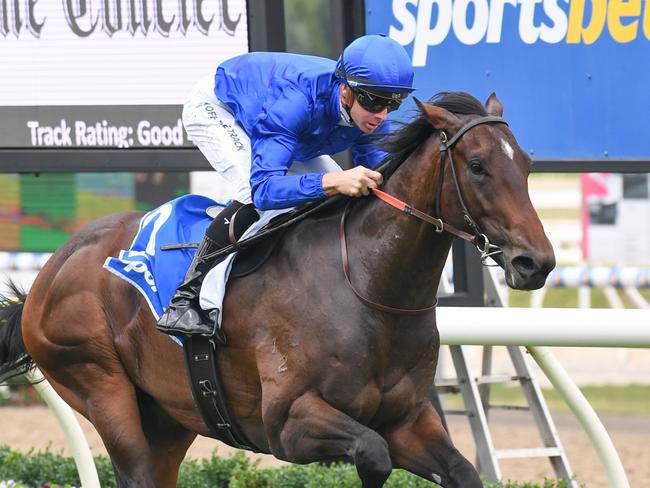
{"x":47,"y":469}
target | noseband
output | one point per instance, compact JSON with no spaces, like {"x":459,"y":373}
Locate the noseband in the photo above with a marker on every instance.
{"x":478,"y":238}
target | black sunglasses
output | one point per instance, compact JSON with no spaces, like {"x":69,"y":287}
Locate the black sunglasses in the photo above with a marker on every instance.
{"x":376,"y":103}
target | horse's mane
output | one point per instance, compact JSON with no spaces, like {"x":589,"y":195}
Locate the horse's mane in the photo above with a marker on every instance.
{"x":401,"y":143}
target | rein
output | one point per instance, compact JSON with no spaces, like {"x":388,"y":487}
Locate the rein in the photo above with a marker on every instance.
{"x":478,"y":239}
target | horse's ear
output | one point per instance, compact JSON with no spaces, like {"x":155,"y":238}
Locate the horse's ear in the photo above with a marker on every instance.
{"x":493,"y":105}
{"x":438,"y":116}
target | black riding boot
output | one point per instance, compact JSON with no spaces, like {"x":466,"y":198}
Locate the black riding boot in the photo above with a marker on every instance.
{"x":184,"y":314}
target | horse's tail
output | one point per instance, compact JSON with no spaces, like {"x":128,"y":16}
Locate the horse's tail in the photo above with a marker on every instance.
{"x":14,"y":359}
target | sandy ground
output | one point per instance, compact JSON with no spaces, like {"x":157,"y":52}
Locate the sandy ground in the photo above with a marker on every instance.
{"x":24,"y":428}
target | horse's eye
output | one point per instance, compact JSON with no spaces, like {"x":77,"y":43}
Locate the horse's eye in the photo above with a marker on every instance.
{"x":476,"y":167}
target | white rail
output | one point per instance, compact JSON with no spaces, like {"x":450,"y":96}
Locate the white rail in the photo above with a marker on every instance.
{"x":544,"y":327}
{"x":554,"y":327}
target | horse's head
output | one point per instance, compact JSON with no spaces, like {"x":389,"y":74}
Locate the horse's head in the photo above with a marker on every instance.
{"x":491,"y":171}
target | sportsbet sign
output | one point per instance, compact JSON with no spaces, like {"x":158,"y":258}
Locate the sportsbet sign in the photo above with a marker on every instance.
{"x":573,"y":75}
{"x":472,"y":22}
{"x":108,"y":73}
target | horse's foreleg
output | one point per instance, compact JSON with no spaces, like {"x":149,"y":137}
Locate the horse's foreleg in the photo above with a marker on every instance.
{"x":423,"y":447}
{"x":168,"y":441}
{"x":316,"y":431}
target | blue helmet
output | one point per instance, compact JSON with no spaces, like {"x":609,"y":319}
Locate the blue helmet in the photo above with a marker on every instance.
{"x":376,"y":62}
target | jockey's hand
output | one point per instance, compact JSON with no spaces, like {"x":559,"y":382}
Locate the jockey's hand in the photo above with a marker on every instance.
{"x":353,"y":182}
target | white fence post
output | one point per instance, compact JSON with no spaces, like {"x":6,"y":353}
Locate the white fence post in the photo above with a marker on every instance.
{"x":585,"y":414}
{"x":83,"y":458}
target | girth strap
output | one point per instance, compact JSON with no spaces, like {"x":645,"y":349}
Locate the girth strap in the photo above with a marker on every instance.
{"x":201,"y":358}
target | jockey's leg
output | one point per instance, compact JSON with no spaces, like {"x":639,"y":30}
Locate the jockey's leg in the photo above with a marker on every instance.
{"x":213,"y":129}
{"x":423,"y":447}
{"x":224,"y":143}
{"x":316,"y":431}
{"x":184,"y":314}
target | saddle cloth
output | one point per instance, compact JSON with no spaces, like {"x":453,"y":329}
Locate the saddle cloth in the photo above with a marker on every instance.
{"x":156,"y":274}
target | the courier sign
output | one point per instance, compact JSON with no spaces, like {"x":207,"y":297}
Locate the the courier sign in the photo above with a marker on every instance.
{"x":108,"y":73}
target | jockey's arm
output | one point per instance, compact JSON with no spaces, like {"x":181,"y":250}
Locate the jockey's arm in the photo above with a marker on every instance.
{"x":274,"y":140}
{"x":353,"y":182}
{"x":362,"y":178}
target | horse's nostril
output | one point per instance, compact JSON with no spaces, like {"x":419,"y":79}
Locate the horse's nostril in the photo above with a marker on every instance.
{"x":525,"y":265}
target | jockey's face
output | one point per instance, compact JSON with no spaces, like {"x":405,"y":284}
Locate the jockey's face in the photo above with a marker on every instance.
{"x":366,"y":121}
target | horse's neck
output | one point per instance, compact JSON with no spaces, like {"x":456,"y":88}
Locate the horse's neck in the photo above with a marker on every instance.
{"x":415,"y":180}
{"x":403,"y":257}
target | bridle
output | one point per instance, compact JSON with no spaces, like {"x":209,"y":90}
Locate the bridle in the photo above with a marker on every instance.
{"x":478,"y":238}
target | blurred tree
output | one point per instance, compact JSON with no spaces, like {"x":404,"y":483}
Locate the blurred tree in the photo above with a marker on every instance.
{"x":307,"y":26}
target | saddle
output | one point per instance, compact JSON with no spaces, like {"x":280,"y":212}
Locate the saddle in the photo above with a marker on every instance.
{"x":254,"y":251}
{"x":252,"y":258}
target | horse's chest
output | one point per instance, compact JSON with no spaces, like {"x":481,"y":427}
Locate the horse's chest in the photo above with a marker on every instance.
{"x":376,"y":389}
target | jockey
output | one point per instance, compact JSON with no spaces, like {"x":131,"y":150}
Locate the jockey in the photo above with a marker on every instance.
{"x":267,"y":122}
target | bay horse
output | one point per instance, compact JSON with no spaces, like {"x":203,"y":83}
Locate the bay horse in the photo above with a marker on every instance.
{"x":311,"y":372}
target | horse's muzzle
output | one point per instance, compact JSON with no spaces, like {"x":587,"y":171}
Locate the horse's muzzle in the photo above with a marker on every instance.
{"x":528,"y":271}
